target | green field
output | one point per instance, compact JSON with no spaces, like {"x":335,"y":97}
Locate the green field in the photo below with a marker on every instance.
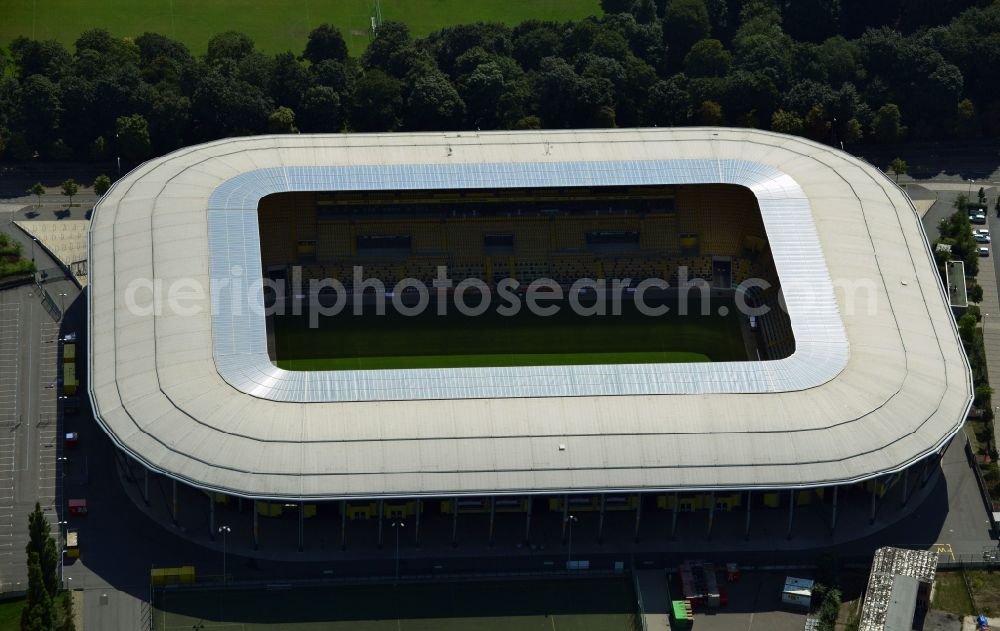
{"x":582,"y":605}
{"x":276,"y":25}
{"x":369,"y":342}
{"x":10,"y":614}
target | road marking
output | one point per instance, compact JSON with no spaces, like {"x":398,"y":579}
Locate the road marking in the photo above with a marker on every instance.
{"x":945,"y":548}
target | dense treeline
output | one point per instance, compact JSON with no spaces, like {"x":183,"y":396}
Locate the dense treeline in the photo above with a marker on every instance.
{"x":833,"y":70}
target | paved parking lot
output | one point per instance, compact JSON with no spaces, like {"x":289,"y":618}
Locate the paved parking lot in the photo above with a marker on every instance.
{"x":29,"y":423}
{"x":10,"y":343}
{"x":754,"y":605}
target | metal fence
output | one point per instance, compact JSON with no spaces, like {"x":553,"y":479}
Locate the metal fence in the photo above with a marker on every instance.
{"x":48,"y":303}
{"x":984,"y":491}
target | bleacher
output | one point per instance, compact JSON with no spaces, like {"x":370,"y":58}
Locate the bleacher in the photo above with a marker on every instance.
{"x":700,"y":223}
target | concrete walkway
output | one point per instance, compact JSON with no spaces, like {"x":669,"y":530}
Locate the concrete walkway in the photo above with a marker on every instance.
{"x":655,"y":600}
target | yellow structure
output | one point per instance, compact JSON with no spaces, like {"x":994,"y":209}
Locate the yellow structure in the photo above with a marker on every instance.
{"x":172,"y":575}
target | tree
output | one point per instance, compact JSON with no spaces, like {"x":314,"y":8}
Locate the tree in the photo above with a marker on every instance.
{"x":282,"y":121}
{"x":433,"y":104}
{"x":223,"y":106}
{"x":668,"y":102}
{"x":967,"y":123}
{"x":40,"y":539}
{"x":229,"y":46}
{"x":482,"y":91}
{"x":389,"y":51}
{"x":377,"y":102}
{"x":829,"y":611}
{"x":133,"y":137}
{"x":99,"y":149}
{"x":982,"y":195}
{"x":887,"y":126}
{"x":37,"y":189}
{"x":899,"y":167}
{"x":325,"y":42}
{"x":975,"y":292}
{"x":967,"y":328}
{"x":289,"y":80}
{"x":786,"y":122}
{"x":69,"y":189}
{"x":40,"y":110}
{"x":707,"y":58}
{"x":684,"y":23}
{"x":101,"y":185}
{"x":38,"y":613}
{"x":321,"y":110}
{"x":68,"y":622}
{"x":853,"y":132}
{"x":816,"y":124}
{"x":710,"y":113}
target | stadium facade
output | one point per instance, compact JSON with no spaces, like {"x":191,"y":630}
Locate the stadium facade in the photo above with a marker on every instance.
{"x":877,"y":383}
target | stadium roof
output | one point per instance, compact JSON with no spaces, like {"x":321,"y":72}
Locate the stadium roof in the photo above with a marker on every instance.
{"x":878,"y":379}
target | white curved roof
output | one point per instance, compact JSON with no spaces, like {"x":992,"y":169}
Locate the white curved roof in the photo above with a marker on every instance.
{"x":877,"y":381}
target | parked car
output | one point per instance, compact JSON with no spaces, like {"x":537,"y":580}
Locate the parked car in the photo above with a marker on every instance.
{"x":981,"y":238}
{"x":978,"y":218}
{"x":984,"y":251}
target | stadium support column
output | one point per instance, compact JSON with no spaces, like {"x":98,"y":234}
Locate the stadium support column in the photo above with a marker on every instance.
{"x":211,"y":517}
{"x":638,"y":515}
{"x":673,"y":519}
{"x":302,"y":526}
{"x":600,"y":522}
{"x":343,"y":524}
{"x":791,"y":512}
{"x":906,"y":488}
{"x":379,"y":507}
{"x":256,"y":526}
{"x":565,"y":520}
{"x":711,"y":513}
{"x":145,"y":485}
{"x":833,"y":517}
{"x":527,"y":521}
{"x":416,"y":527}
{"x":173,"y":504}
{"x":746,"y":529}
{"x":454,"y":522}
{"x":871,"y":517}
{"x":493,"y":514}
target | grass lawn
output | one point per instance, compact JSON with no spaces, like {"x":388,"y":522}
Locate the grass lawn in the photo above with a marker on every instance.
{"x":606,"y":604}
{"x":950,"y":594}
{"x":10,"y":614}
{"x":276,"y":25}
{"x":349,"y":342}
{"x":986,"y":588}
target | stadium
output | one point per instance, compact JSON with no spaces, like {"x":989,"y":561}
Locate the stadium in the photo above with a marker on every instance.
{"x":826,"y":362}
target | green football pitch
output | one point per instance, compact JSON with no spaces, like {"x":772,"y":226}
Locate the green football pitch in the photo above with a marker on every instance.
{"x":368,"y":342}
{"x":606,"y":604}
{"x":275,"y":25}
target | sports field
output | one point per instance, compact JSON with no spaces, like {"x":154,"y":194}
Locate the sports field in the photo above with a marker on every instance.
{"x":276,"y":25}
{"x":606,"y":604}
{"x":369,"y":342}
